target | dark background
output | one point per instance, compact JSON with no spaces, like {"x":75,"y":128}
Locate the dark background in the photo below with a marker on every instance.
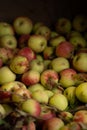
{"x":41,"y":10}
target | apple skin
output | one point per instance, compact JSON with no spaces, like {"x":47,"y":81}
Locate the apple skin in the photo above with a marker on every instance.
{"x":37,"y":43}
{"x":28,"y":53}
{"x":80,"y":116}
{"x":53,"y":123}
{"x":59,"y":63}
{"x":31,"y":126}
{"x":30,"y":77}
{"x":37,"y":65}
{"x":5,"y":70}
{"x":19,"y":64}
{"x":1,"y":63}
{"x":65,"y":49}
{"x":80,"y":62}
{"x":32,"y":107}
{"x":22,"y":25}
{"x":63,"y":25}
{"x":55,"y":41}
{"x":6,"y":29}
{"x":44,"y":30}
{"x":68,"y":77}
{"x":8,"y":41}
{"x":49,"y":78}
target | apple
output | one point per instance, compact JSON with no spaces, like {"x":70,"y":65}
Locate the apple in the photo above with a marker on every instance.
{"x":47,"y":63}
{"x":12,"y":86}
{"x":1,"y":63}
{"x":48,"y":52}
{"x":66,"y":116}
{"x":8,"y":41}
{"x":6,"y":54}
{"x":40,"y":96}
{"x":80,"y":116}
{"x":81,"y":92}
{"x":32,"y":107}
{"x":63,"y":25}
{"x":59,"y":101}
{"x":53,"y":34}
{"x":53,"y":123}
{"x":59,"y":63}
{"x":22,"y":25}
{"x":37,"y":65}
{"x":49,"y":93}
{"x":56,"y":90}
{"x":70,"y":94}
{"x":56,"y":40}
{"x":20,"y":95}
{"x":31,"y":126}
{"x":73,"y":33}
{"x":37,"y":43}
{"x":7,"y":108}
{"x":78,"y":41}
{"x":79,"y":62}
{"x":27,"y":52}
{"x":46,"y":112}
{"x":19,"y":64}
{"x":6,"y":29}
{"x":30,"y":77}
{"x":65,"y":49}
{"x":6,"y":75}
{"x":44,"y":30}
{"x":35,"y":87}
{"x":49,"y":78}
{"x":22,"y":40}
{"x":80,"y":23}
{"x":68,"y":77}
{"x":39,"y":57}
{"x":36,"y":26}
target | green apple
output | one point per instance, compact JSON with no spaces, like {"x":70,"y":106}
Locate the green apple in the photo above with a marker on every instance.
{"x":80,"y":23}
{"x":6,"y":29}
{"x":35,"y":87}
{"x":22,"y":25}
{"x":63,"y":25}
{"x":48,"y":52}
{"x":45,"y":31}
{"x":56,"y":40}
{"x":59,"y":63}
{"x":2,"y":111}
{"x":6,"y":75}
{"x":36,"y":26}
{"x":19,"y":64}
{"x":81,"y":92}
{"x":80,"y":62}
{"x":70,"y":94}
{"x":59,"y":101}
{"x":37,"y":65}
{"x":8,"y":41}
{"x":40,"y":96}
{"x":37,"y":43}
{"x":78,"y":41}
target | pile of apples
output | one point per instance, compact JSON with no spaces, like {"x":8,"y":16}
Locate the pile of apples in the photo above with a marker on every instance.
{"x":43,"y":74}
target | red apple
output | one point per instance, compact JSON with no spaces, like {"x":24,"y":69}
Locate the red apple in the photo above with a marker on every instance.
{"x":65,"y":49}
{"x":28,"y":53}
{"x":49,"y":78}
{"x":68,"y":77}
{"x":31,"y":126}
{"x":30,"y":77}
{"x":32,"y":107}
{"x":53,"y":123}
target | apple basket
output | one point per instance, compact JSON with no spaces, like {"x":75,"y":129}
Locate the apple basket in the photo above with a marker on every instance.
{"x":43,"y":65}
